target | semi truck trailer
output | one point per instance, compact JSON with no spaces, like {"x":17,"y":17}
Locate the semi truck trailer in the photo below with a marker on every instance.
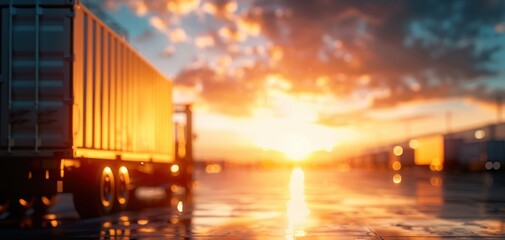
{"x":82,"y":112}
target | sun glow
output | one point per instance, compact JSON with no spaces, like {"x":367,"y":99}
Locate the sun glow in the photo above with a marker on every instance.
{"x":295,"y":140}
{"x":296,"y":147}
{"x":283,"y":122}
{"x":287,"y":123}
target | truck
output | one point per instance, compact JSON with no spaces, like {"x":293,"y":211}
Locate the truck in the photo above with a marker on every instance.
{"x":82,"y":112}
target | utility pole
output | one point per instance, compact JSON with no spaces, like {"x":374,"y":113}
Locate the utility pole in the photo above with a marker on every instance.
{"x":498,"y":108}
{"x":448,"y":121}
{"x":407,"y":129}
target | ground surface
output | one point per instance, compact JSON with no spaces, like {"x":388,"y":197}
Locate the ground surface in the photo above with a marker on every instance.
{"x":297,"y":204}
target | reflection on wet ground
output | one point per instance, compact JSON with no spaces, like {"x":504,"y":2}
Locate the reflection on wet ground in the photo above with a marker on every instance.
{"x":298,"y":204}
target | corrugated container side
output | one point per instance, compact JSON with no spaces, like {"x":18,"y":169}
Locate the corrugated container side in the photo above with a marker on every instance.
{"x":452,"y":148}
{"x":124,"y":105}
{"x":51,"y":3}
{"x":500,"y":131}
{"x":480,"y":152}
{"x":496,"y":151}
{"x":4,"y":74}
{"x":472,"y":153}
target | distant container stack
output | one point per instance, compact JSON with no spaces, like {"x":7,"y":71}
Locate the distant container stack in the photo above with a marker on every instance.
{"x":475,"y":149}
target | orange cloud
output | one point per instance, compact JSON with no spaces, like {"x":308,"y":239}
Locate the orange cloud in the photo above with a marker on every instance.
{"x":158,"y":23}
{"x":178,"y":35}
{"x":221,"y":9}
{"x":182,"y":7}
{"x":232,"y":34}
{"x":341,"y":48}
{"x":140,"y":8}
{"x":223,"y":64}
{"x":204,"y":41}
{"x":276,"y":53}
{"x":249,"y":27}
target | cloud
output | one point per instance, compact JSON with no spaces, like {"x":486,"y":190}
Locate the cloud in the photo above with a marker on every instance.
{"x":276,"y":53}
{"x":250,"y":28}
{"x":178,"y":35}
{"x":223,"y":93}
{"x":223,"y":9}
{"x":232,"y":33}
{"x":205,"y":41}
{"x":158,"y":23}
{"x":142,"y":7}
{"x":376,"y":53}
{"x":387,"y":41}
{"x":168,"y":52}
{"x":181,"y":7}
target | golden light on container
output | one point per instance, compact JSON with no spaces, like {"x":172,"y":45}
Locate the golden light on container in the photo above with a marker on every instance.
{"x":103,"y":104}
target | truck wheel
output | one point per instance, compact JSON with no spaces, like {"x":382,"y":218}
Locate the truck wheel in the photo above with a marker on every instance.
{"x":95,"y":197}
{"x":122,"y":189}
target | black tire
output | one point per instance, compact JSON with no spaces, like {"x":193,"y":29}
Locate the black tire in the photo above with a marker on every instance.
{"x":122,"y":189}
{"x":94,"y":195}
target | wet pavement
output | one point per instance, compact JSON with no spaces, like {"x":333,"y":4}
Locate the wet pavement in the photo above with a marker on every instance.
{"x":297,"y":204}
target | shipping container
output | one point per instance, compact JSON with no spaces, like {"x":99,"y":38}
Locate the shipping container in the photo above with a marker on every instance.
{"x":452,"y":149}
{"x":79,"y":107}
{"x":488,"y":155}
{"x":430,"y":151}
{"x":480,"y":134}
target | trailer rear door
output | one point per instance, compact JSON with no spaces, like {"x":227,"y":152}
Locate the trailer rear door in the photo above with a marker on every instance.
{"x":35,"y":77}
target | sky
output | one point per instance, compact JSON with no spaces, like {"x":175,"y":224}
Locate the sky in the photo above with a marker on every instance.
{"x":289,"y":79}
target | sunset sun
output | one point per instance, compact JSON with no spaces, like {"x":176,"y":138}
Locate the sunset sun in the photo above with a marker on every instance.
{"x":296,"y":147}
{"x":295,"y":140}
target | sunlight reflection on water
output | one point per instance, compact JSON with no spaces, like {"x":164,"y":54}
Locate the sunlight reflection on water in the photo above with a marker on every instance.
{"x":297,"y":210}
